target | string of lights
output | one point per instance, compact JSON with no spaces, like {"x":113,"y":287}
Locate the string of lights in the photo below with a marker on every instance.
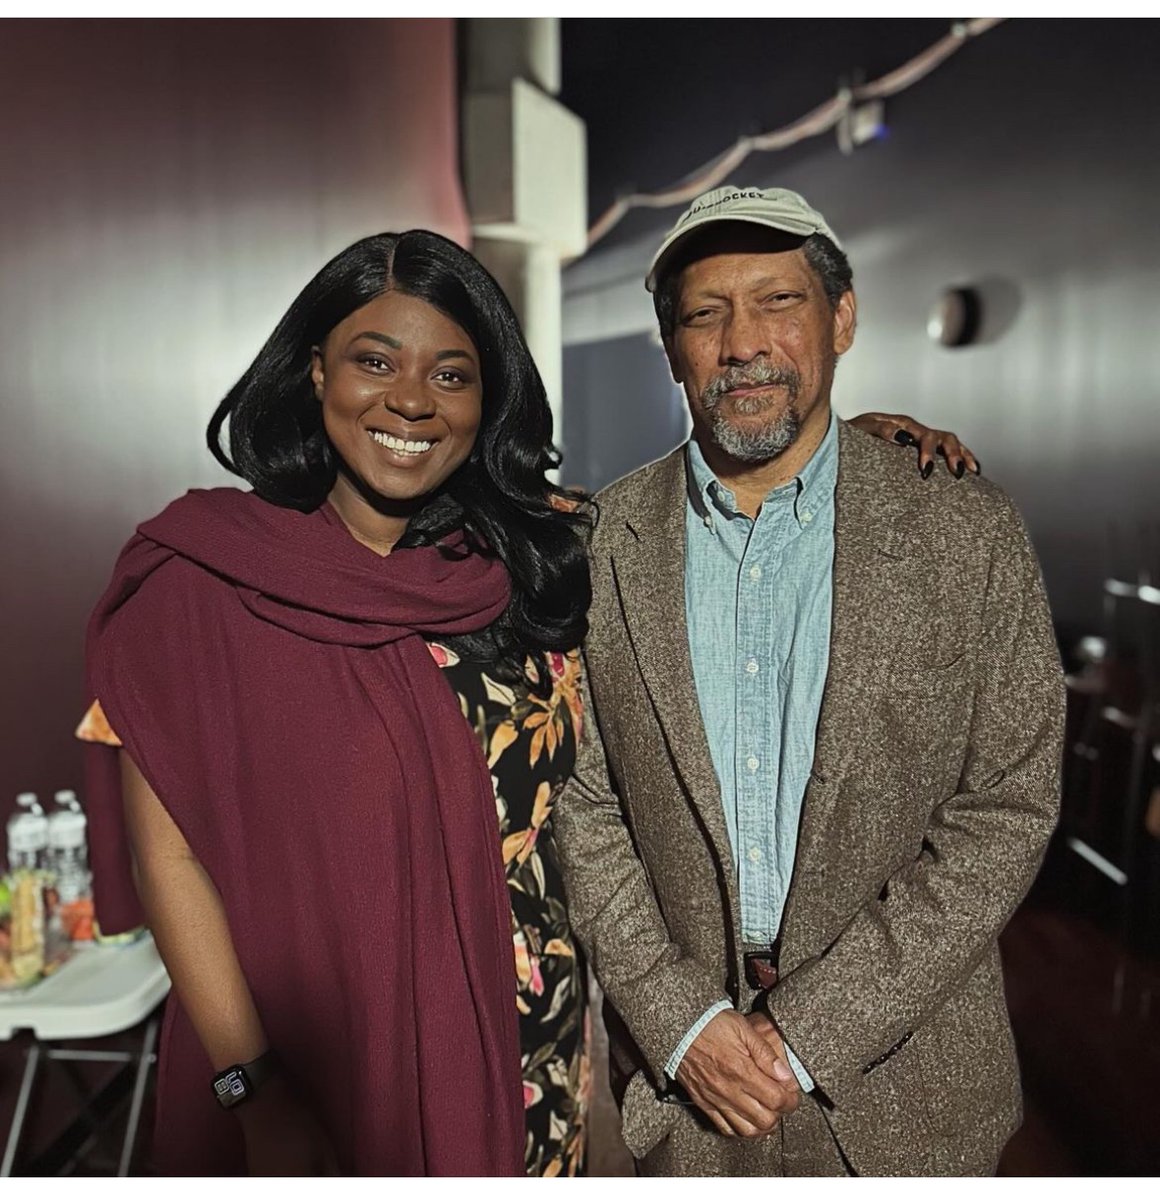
{"x":834,"y":113}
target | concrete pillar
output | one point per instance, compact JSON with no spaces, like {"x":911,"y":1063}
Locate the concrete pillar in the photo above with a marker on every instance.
{"x":524,"y":162}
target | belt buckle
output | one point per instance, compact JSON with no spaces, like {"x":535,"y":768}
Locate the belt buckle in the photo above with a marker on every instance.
{"x":760,"y":971}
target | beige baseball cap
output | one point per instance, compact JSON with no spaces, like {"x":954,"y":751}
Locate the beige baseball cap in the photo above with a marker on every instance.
{"x":776,"y":208}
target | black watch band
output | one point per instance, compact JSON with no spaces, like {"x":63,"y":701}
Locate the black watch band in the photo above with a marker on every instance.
{"x":237,"y":1084}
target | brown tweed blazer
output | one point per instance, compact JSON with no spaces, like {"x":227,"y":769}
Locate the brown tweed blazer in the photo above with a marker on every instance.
{"x":933,"y":793}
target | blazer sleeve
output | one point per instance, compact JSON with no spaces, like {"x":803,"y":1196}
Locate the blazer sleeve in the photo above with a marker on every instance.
{"x":658,"y":990}
{"x":908,"y":950}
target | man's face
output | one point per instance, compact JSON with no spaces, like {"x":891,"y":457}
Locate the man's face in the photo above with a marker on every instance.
{"x":754,"y":346}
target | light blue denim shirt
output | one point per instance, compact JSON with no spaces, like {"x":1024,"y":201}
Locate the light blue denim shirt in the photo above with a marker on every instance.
{"x":758,"y":599}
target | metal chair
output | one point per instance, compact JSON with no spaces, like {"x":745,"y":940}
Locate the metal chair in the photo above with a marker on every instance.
{"x":1108,"y":777}
{"x":101,"y":990}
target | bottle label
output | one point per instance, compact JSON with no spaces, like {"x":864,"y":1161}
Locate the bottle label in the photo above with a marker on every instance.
{"x":22,"y":928}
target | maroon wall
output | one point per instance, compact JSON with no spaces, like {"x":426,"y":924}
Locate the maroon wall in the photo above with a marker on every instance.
{"x":166,"y":187}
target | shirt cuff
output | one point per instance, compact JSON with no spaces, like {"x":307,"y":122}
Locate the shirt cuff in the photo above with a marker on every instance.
{"x":679,"y":1053}
{"x":803,"y":1076}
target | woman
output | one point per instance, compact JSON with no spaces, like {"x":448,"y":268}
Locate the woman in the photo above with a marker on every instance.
{"x":310,"y":815}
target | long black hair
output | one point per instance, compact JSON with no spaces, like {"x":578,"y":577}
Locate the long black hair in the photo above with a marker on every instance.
{"x":501,"y":496}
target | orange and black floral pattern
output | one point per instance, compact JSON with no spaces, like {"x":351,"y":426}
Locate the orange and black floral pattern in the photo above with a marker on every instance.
{"x":530,"y":746}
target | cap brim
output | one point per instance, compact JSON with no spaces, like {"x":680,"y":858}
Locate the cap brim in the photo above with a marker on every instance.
{"x":788,"y":225}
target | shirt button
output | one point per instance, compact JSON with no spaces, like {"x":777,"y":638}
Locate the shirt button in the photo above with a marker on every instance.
{"x":754,"y":572}
{"x":807,"y":517}
{"x":751,"y":667}
{"x":708,"y":522}
{"x":755,"y":854}
{"x":752,"y":763}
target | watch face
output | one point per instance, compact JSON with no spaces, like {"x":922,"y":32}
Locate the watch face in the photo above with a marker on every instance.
{"x":231,"y":1087}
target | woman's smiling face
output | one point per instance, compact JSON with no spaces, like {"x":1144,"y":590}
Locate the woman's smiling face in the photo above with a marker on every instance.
{"x":401,"y":393}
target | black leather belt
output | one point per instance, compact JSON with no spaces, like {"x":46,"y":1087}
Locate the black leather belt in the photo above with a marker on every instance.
{"x":761,"y":967}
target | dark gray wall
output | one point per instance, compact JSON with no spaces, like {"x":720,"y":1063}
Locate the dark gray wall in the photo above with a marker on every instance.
{"x":631,"y":413}
{"x":1026,"y":165}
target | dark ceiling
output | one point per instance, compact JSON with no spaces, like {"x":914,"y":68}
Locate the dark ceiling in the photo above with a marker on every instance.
{"x":660,"y":97}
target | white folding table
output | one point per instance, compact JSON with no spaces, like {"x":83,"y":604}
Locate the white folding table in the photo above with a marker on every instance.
{"x":101,"y":990}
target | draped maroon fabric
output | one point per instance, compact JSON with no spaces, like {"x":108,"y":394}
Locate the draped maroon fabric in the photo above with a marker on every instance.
{"x":268,"y":675}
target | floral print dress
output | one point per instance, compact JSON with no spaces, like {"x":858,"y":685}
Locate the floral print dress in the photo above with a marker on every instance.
{"x":530,"y":746}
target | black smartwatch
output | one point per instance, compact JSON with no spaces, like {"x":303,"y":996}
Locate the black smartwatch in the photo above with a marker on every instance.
{"x":237,"y":1084}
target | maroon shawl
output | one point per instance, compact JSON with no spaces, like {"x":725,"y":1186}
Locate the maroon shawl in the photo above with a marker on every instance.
{"x":268,"y":675}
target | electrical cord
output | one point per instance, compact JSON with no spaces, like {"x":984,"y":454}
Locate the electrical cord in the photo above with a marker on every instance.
{"x":818,"y":121}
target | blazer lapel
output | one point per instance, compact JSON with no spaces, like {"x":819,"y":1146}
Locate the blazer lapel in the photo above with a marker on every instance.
{"x":869,"y":550}
{"x":650,"y":577}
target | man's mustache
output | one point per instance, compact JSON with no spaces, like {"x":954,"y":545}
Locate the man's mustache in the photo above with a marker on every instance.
{"x":755,"y":374}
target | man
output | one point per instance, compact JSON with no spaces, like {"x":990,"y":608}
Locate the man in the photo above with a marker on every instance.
{"x":821,"y":760}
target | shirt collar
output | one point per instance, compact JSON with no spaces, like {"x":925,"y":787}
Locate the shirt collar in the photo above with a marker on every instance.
{"x":809,"y":489}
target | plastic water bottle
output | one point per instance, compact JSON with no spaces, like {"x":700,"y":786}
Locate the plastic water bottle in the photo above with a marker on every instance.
{"x":68,"y":859}
{"x":27,"y":835}
{"x":22,"y":892}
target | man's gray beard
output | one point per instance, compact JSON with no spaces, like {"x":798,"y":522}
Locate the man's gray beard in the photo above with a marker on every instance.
{"x":753,"y":444}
